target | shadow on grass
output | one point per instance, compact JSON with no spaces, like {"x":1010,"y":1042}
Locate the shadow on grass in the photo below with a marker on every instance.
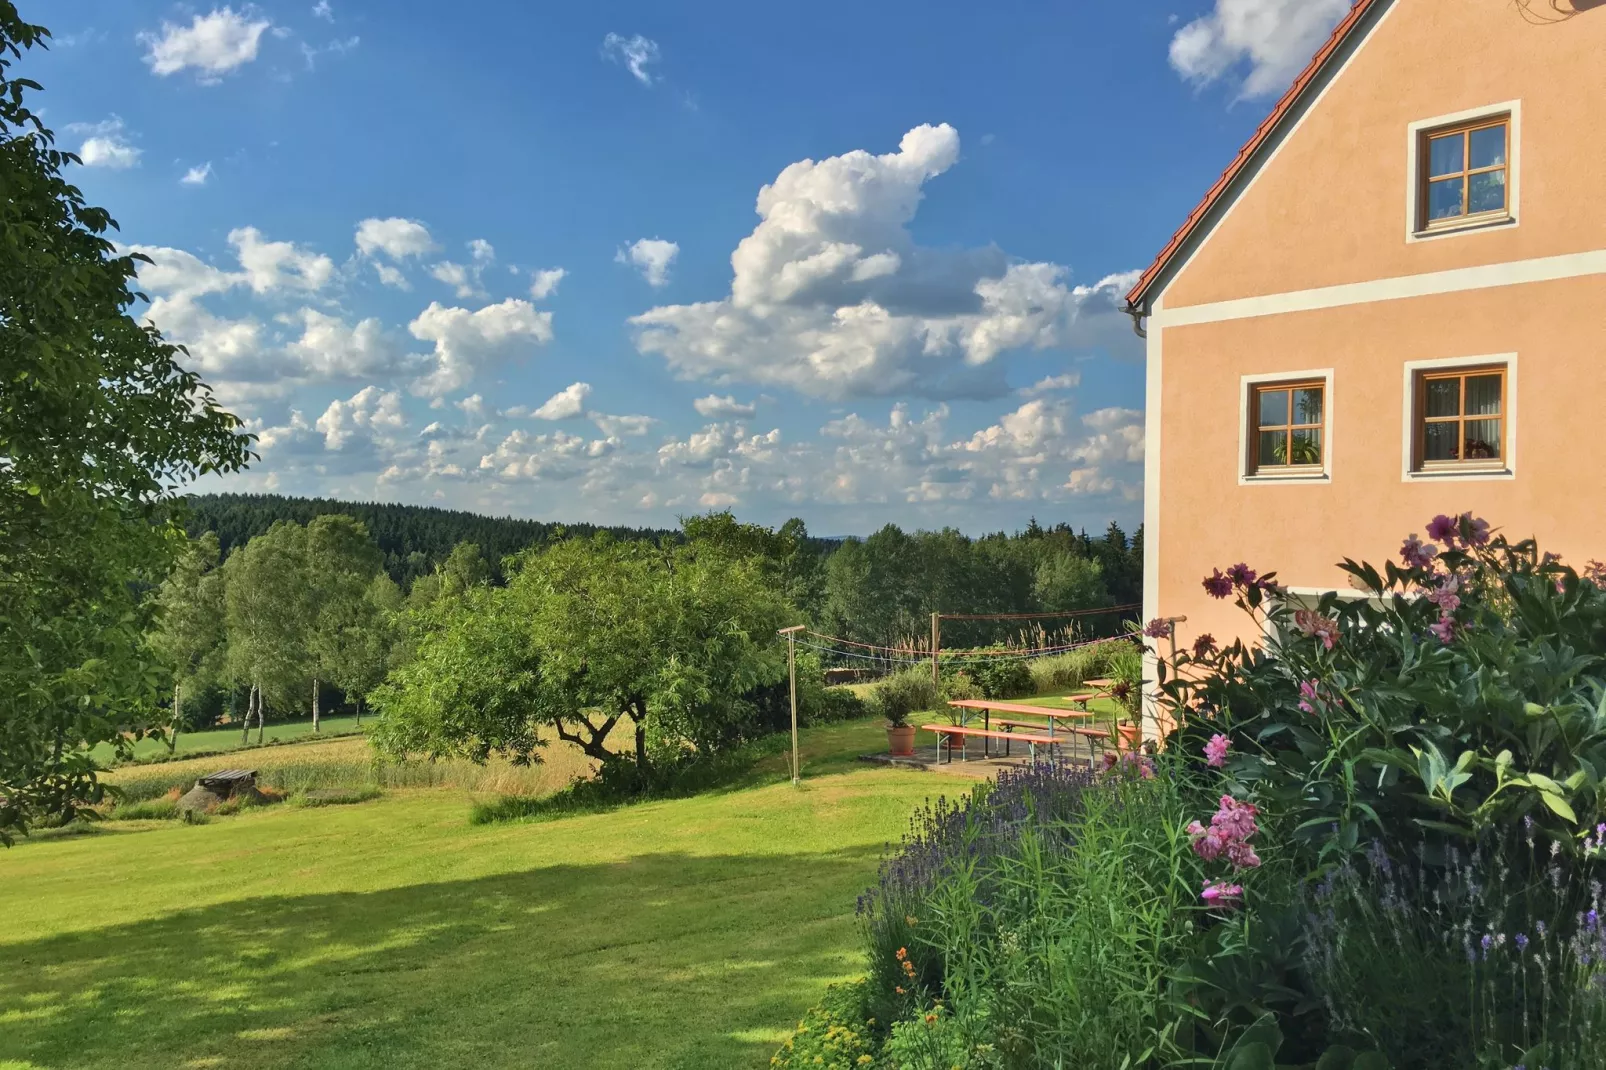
{"x":663,"y":960}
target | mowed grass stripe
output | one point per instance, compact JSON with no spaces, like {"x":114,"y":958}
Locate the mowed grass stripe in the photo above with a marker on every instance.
{"x":689,"y":933}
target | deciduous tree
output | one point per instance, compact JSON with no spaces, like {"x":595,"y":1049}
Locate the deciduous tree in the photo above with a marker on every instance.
{"x":99,"y":424}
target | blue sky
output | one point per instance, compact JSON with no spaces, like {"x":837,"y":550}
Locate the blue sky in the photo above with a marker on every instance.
{"x":859,"y":262}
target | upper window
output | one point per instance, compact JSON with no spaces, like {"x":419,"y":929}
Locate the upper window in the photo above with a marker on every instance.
{"x":1287,"y":425}
{"x":1464,"y":174}
{"x":1461,"y":418}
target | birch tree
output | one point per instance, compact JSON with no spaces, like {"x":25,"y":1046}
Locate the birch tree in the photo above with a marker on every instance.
{"x":189,"y":636}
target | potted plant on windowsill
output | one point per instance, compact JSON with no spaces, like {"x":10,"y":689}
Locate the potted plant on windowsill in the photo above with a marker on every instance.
{"x":900,"y":735}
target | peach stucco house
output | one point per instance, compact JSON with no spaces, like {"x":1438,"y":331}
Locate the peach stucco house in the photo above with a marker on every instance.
{"x":1392,"y":305}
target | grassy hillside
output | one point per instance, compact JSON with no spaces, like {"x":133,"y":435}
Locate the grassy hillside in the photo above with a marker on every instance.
{"x":687,"y":934}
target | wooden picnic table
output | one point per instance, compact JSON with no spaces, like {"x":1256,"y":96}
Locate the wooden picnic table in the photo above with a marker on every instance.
{"x":950,"y":733}
{"x":988,"y":707}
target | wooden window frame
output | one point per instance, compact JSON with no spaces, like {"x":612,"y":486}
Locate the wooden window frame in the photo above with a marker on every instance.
{"x":1254,"y":467}
{"x":1420,"y":419}
{"x":1425,"y":176}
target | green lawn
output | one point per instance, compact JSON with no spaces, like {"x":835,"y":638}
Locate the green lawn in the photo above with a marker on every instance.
{"x":219,"y":739}
{"x":689,"y":934}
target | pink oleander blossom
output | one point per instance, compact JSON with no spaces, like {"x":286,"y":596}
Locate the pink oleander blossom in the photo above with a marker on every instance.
{"x":1208,"y":844}
{"x":1308,"y":696}
{"x":1235,"y":819}
{"x":1314,"y":624}
{"x":1477,"y":530}
{"x":1444,"y":629}
{"x":1444,"y":529}
{"x":1158,"y":628}
{"x":1243,"y":856}
{"x":1215,"y":751}
{"x":1222,"y":894}
{"x":1445,"y":595}
{"x":1204,"y":646}
{"x":1418,"y":554}
{"x":1595,"y":572}
{"x":1241,"y":575}
{"x":1217,"y":585}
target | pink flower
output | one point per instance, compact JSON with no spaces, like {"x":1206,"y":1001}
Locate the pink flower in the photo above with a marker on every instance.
{"x":1308,"y":696}
{"x":1445,"y":596}
{"x":1444,"y":629}
{"x":1209,"y":845}
{"x":1243,"y":856}
{"x":1204,"y":646}
{"x":1217,"y":585}
{"x":1444,"y":529}
{"x":1215,"y":751}
{"x":1222,"y":894}
{"x":1242,"y":575}
{"x":1418,"y":554}
{"x":1595,"y":572}
{"x":1477,"y":529}
{"x":1158,"y":628}
{"x":1314,"y":624}
{"x":1235,"y":819}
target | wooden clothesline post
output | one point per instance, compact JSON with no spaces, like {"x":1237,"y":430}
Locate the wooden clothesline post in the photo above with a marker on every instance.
{"x":791,"y":672}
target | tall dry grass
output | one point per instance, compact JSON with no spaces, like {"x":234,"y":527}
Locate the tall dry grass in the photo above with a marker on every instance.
{"x":351,"y":764}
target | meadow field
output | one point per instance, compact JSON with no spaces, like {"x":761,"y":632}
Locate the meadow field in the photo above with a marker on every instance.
{"x":392,"y":933}
{"x":223,"y":739}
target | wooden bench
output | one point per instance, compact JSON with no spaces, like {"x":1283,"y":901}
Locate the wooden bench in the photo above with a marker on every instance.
{"x":947,"y":734}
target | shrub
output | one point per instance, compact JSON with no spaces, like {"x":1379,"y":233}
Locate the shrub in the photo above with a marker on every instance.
{"x":835,"y":1035}
{"x":1000,"y":676}
{"x":1466,"y":694}
{"x":833,"y":705}
{"x":904,"y":692}
{"x":1046,"y":913}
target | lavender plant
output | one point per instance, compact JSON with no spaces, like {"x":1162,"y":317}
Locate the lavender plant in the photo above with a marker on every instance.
{"x":1474,"y":959}
{"x":1046,"y":914}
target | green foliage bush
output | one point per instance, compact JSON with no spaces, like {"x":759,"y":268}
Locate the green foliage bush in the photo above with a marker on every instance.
{"x":998,"y":676}
{"x":837,"y":1034}
{"x":904,"y":692}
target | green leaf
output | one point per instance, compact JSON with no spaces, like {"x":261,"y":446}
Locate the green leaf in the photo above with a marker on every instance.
{"x":1559,"y":806}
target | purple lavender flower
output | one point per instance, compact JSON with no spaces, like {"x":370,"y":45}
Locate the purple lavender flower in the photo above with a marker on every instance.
{"x":1521,"y":941}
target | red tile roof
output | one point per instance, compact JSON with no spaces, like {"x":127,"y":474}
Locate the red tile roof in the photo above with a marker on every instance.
{"x":1340,"y":33}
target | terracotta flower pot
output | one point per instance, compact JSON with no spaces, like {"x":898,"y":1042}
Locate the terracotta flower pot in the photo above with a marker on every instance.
{"x":1131,"y":736}
{"x":901,"y":740}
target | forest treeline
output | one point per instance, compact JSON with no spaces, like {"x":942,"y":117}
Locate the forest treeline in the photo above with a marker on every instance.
{"x":881,"y":587}
{"x":300,"y":617}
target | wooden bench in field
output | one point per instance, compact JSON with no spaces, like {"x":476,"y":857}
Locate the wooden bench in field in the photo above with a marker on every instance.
{"x":949,"y":734}
{"x":228,"y":782}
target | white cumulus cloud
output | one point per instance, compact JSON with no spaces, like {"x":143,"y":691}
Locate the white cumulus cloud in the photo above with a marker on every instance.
{"x":466,"y":341}
{"x":1273,"y":39}
{"x":566,"y":404}
{"x":105,"y":144}
{"x":212,"y":44}
{"x":544,"y":283}
{"x":715,"y":407}
{"x":652,"y":257}
{"x":273,"y":265}
{"x":395,"y":237}
{"x":832,"y":297}
{"x":636,"y":52}
{"x":370,"y":410}
{"x":197,"y":176}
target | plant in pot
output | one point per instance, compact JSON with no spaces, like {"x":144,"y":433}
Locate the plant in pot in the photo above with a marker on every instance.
{"x":1126,"y":721}
{"x":900,"y":733}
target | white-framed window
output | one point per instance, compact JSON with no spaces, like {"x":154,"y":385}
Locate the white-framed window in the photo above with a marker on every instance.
{"x":1460,"y":418}
{"x":1463,"y":172}
{"x":1285,"y":427}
